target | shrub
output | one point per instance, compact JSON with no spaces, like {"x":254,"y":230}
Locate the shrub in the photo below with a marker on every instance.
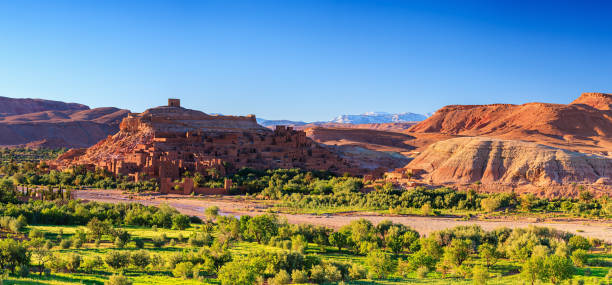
{"x":199,"y":240}
{"x":237,"y":272}
{"x":183,"y":270}
{"x":422,"y":271}
{"x":140,"y":258}
{"x":159,"y":241}
{"x":357,"y":272}
{"x":579,"y":242}
{"x":180,"y":222}
{"x":117,"y":259}
{"x":139,"y":243}
{"x":118,"y":280}
{"x":74,"y":262}
{"x":557,"y":269}
{"x":490,"y":204}
{"x":77,"y":243}
{"x":35,"y":233}
{"x":22,"y":270}
{"x":299,"y":276}
{"x":65,"y":243}
{"x":380,"y":264}
{"x":119,"y":243}
{"x":211,"y":213}
{"x":480,"y":275}
{"x":325,"y":273}
{"x":579,"y":257}
{"x":173,"y":259}
{"x":90,"y":264}
{"x":281,"y":278}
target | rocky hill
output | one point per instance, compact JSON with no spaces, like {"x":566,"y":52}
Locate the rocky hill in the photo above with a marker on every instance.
{"x":584,"y":125}
{"x":475,"y":161}
{"x":37,"y":122}
{"x":17,"y":106}
{"x":166,"y":141}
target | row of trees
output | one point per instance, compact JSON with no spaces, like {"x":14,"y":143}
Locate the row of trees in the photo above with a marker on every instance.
{"x":389,"y":249}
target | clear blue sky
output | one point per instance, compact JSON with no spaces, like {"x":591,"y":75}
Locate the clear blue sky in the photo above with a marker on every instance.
{"x":304,"y":60}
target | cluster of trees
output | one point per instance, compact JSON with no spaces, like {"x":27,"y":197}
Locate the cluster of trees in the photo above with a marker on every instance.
{"x":389,"y":248}
{"x":8,"y":155}
{"x":78,"y":213}
{"x":37,"y":173}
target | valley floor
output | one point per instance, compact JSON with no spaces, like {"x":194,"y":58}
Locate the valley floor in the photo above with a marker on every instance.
{"x":238,"y":206}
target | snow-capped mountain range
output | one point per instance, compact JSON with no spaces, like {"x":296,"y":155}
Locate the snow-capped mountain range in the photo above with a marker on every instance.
{"x":365,"y":118}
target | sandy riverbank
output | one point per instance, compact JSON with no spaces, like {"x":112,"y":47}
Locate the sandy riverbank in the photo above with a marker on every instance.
{"x":424,"y":225}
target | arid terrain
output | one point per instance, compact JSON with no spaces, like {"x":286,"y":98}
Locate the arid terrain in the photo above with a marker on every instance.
{"x":53,"y":124}
{"x":236,"y":206}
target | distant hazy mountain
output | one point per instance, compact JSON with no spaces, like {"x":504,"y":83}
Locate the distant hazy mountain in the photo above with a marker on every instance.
{"x":366,"y":118}
{"x":378,"y":118}
{"x":271,"y":123}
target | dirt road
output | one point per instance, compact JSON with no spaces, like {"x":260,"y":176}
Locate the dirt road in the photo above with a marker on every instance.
{"x":424,"y":225}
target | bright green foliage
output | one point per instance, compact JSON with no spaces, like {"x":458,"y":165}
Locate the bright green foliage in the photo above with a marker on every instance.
{"x":183,"y":270}
{"x":480,"y":275}
{"x":557,"y":269}
{"x":118,"y":280}
{"x":380,"y":264}
{"x":117,"y":259}
{"x":457,"y":252}
{"x":281,"y":278}
{"x":13,"y":254}
{"x":238,"y":272}
{"x":339,"y":239}
{"x":262,"y":228}
{"x":140,"y":258}
{"x":488,"y":253}
{"x":579,"y":242}
{"x":579,"y":257}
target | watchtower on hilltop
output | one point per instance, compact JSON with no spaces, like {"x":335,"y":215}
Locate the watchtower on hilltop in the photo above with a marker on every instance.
{"x":174,"y":102}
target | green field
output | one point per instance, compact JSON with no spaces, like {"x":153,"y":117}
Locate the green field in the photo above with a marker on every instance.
{"x":503,"y":272}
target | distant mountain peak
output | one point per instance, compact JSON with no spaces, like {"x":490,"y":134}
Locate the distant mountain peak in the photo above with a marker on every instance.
{"x":378,"y":118}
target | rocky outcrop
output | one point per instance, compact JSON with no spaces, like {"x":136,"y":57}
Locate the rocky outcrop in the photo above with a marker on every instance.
{"x":585,"y":125}
{"x":508,"y":162}
{"x":167,"y":141}
{"x":601,"y":101}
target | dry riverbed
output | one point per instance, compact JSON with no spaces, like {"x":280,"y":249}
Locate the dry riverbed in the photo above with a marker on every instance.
{"x":238,"y":206}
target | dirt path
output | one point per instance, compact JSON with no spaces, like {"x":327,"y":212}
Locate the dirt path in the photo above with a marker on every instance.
{"x":424,"y":225}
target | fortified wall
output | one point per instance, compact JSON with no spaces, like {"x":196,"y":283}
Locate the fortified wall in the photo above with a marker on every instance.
{"x":169,"y":141}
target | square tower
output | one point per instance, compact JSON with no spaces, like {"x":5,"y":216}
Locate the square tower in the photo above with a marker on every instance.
{"x":174,"y":103}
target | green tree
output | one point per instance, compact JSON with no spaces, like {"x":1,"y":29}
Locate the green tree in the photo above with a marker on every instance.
{"x":13,"y":254}
{"x":97,"y":228}
{"x":140,"y":258}
{"x":457,"y":252}
{"x":488,"y":253}
{"x":533,"y":269}
{"x":40,"y":253}
{"x":380,"y":264}
{"x":579,"y":242}
{"x":238,"y":272}
{"x":211,"y":213}
{"x":480,"y":275}
{"x":117,"y":259}
{"x":338,"y":239}
{"x":180,"y":222}
{"x":557,"y":269}
{"x":262,"y":227}
{"x":183,"y":270}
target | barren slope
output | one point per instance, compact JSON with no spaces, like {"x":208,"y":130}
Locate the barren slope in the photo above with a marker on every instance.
{"x":584,"y":125}
{"x":509,"y":163}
